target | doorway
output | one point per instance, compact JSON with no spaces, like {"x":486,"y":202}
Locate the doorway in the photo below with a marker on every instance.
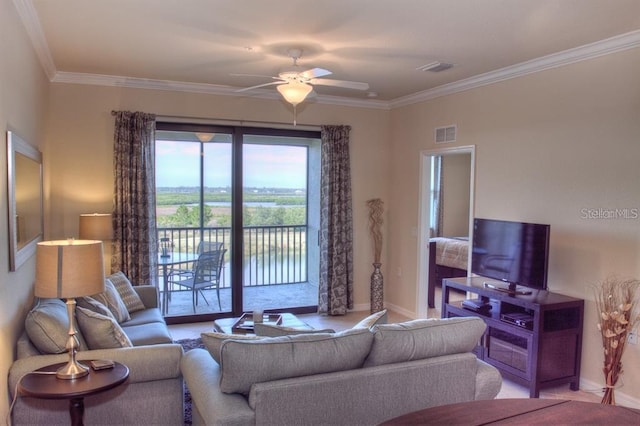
{"x":426,"y":220}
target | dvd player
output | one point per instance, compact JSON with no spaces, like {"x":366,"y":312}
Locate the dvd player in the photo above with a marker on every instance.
{"x":520,"y":319}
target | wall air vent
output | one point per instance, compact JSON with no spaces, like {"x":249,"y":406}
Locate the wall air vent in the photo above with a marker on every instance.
{"x":446,"y":134}
{"x":435,"y":67}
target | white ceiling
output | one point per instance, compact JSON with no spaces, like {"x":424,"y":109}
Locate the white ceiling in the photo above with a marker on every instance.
{"x":197,"y":44}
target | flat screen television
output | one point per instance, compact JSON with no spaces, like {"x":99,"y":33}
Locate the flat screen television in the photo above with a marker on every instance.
{"x":515,"y":253}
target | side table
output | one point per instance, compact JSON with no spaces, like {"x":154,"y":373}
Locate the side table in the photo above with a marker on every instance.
{"x":48,"y":386}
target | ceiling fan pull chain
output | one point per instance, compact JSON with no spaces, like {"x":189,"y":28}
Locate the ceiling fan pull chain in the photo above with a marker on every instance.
{"x":294,"y":116}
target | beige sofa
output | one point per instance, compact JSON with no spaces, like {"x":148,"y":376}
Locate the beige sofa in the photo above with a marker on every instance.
{"x":153,"y":393}
{"x":356,"y":377}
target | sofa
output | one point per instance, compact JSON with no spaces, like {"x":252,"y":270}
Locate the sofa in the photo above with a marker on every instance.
{"x":138,"y":339}
{"x":361,"y":376}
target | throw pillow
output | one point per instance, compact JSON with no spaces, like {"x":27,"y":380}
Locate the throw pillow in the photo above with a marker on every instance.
{"x":92,"y":304}
{"x":424,"y":338}
{"x":213,"y":341}
{"x":247,"y":362}
{"x":101,"y":331}
{"x":128,"y":295}
{"x":112,"y":300}
{"x":373,"y":319}
{"x":47,"y":326}
{"x":272,"y":330}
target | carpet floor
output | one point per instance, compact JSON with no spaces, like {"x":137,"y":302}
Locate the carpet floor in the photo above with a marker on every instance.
{"x":187,"y":345}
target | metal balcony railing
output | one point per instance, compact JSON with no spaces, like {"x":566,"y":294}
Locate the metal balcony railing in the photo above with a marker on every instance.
{"x":272,"y":254}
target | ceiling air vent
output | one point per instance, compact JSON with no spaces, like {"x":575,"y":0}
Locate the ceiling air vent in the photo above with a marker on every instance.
{"x":435,"y":67}
{"x":446,"y":134}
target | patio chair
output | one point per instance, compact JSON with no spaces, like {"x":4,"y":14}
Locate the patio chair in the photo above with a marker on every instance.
{"x":205,"y":274}
{"x":203,"y":247}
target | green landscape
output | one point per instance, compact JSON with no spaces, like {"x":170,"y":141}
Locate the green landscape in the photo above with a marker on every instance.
{"x":178,"y":207}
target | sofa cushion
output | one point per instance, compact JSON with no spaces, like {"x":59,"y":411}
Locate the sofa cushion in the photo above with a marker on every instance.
{"x":247,"y":362}
{"x":101,"y":331}
{"x":144,"y":317}
{"x":373,"y":319}
{"x":272,"y":330}
{"x":125,"y":289}
{"x":47,"y":326}
{"x":94,"y":305}
{"x":153,"y":333}
{"x":423,"y":338}
{"x":112,"y":300}
{"x":213,"y":341}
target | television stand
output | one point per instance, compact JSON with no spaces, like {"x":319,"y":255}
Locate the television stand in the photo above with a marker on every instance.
{"x":512,"y":289}
{"x":534,"y":340}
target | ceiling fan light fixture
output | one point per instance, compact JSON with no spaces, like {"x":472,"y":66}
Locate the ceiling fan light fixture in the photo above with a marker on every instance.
{"x":294,"y":92}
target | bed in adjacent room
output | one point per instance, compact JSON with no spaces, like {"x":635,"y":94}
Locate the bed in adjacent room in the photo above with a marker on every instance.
{"x":447,"y":259}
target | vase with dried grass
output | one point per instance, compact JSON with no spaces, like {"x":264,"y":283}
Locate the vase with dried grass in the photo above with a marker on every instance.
{"x":616,"y":301}
{"x":376,"y":210}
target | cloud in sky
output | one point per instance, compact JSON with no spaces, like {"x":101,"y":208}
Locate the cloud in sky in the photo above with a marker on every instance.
{"x":279,"y":166}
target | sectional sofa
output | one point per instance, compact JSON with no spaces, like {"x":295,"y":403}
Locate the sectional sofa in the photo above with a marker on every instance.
{"x":360,"y":376}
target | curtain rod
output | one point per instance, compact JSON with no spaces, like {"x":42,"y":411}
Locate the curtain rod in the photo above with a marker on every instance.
{"x":228,"y":122}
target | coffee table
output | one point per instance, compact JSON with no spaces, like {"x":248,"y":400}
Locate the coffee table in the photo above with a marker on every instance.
{"x":224,"y":325}
{"x":521,"y":412}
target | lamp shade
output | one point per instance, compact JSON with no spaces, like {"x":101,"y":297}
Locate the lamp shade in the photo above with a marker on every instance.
{"x":69,"y":268}
{"x":96,"y":226}
{"x":294,"y":92}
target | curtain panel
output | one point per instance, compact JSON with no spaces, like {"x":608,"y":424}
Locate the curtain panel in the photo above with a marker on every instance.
{"x":336,"y":223}
{"x":134,"y":217}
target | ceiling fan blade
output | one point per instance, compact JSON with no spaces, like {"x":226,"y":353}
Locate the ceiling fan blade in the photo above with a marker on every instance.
{"x":251,"y":75}
{"x":356,"y":85}
{"x":260,"y":85}
{"x":315,"y":72}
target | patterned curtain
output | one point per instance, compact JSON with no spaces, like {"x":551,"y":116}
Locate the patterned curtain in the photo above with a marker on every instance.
{"x":336,"y":227}
{"x":134,"y":217}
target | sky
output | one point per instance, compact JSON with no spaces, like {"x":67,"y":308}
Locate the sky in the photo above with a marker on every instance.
{"x":272,"y":166}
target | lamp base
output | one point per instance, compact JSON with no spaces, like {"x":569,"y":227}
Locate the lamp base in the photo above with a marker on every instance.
{"x":72,"y":370}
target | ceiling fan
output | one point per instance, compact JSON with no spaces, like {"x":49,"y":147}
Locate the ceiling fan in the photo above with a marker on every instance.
{"x":295,"y":84}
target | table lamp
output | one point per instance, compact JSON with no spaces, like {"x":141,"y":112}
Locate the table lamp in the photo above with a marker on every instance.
{"x":98,"y":226}
{"x":69,"y":269}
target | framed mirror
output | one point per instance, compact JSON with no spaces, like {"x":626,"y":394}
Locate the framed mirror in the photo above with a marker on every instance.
{"x":26,"y":213}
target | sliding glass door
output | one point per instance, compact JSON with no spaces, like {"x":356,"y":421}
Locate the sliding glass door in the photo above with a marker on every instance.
{"x":250,"y":195}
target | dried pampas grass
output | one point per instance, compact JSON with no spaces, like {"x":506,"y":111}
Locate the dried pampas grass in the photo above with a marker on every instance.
{"x":616,"y":301}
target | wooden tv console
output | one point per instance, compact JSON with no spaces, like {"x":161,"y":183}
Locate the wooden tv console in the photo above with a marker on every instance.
{"x":533,"y":339}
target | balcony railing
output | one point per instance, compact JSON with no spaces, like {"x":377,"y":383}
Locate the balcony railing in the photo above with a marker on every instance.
{"x":272,"y":254}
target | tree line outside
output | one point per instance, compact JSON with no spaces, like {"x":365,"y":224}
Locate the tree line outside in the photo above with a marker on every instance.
{"x":179,"y":207}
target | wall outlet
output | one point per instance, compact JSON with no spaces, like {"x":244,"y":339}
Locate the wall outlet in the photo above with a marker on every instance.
{"x":632,"y":337}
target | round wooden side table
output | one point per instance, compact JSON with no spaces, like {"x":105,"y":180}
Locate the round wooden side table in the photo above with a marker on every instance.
{"x":48,"y":386}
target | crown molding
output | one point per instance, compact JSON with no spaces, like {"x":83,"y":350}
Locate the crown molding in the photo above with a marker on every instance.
{"x":608,"y":46}
{"x":205,"y":88}
{"x":32,"y":25}
{"x":614,"y":44}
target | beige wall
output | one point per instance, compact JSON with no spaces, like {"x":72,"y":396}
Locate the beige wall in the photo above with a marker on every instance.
{"x":456,"y":173}
{"x":23,"y":99}
{"x":547,"y":146}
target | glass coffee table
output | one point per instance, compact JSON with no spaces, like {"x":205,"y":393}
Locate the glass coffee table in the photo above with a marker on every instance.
{"x":226,"y":325}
